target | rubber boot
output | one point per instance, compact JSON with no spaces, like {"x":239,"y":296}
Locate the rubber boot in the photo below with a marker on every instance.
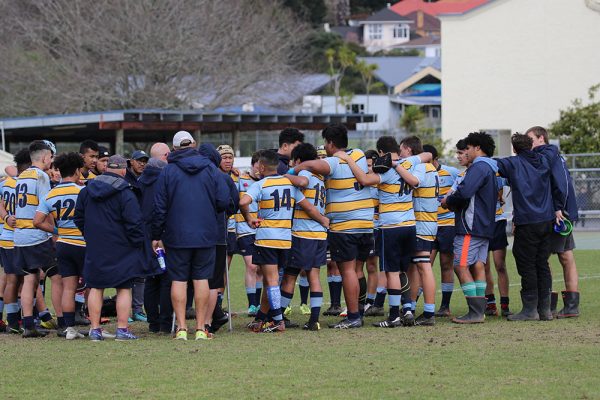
{"x":529,"y":311}
{"x":476,"y":314}
{"x":543,"y":306}
{"x":553,"y":303}
{"x":571,"y":308}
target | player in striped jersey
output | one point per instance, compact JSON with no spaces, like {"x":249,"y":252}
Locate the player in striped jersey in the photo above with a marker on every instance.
{"x":89,"y":151}
{"x":226,"y":166}
{"x":33,"y":247}
{"x":397,"y":224}
{"x":55,"y":215}
{"x":14,"y":275}
{"x":276,"y":198}
{"x":245,"y":240}
{"x":350,"y":209}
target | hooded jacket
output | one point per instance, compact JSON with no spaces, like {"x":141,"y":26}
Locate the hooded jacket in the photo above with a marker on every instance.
{"x":528,"y":175}
{"x":189,"y":194}
{"x":207,"y":150}
{"x":133,"y":181}
{"x":109,"y":216}
{"x":474,"y":200}
{"x":563,"y":192}
{"x":146,"y":184}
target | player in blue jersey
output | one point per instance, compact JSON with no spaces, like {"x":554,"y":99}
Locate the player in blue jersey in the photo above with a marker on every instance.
{"x":276,"y":198}
{"x":55,"y":215}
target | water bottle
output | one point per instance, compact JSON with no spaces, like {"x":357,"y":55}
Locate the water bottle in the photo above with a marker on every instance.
{"x":160,"y":256}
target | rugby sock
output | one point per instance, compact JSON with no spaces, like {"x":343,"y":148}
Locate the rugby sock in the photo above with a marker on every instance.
{"x":304,"y":289}
{"x":45,"y":315}
{"x":330,"y":284}
{"x":469,"y":289}
{"x":336,"y":296}
{"x":362,"y":293}
{"x":380,"y":297}
{"x":12,"y":314}
{"x":428,"y":310}
{"x":316,"y":301}
{"x":43,"y":286}
{"x":447,"y":289}
{"x":220,"y":301}
{"x":491,"y":298}
{"x":413,"y":306}
{"x":406,"y":301}
{"x":69,"y":318}
{"x":286,"y":299}
{"x":1,"y":306}
{"x":259,"y":286}
{"x":250,"y":293}
{"x":504,"y":302}
{"x":480,"y":288}
{"x":274,"y":296}
{"x":353,"y":316}
{"x":260,"y":316}
{"x":394,"y":299}
{"x":419,"y":293}
{"x":28,"y":322}
{"x":370,"y":298}
{"x":61,"y":321}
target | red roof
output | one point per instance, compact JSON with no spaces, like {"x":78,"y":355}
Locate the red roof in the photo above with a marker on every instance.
{"x":405,"y":7}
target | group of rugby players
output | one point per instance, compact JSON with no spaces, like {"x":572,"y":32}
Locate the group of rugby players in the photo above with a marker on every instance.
{"x":393,"y":209}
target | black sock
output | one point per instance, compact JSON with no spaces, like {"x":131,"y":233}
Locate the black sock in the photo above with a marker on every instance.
{"x":446,"y":296}
{"x":316,"y":299}
{"x":370,"y":301}
{"x":336,"y":297}
{"x":379,"y":299}
{"x":491,"y":298}
{"x":61,"y":322}
{"x":250,"y":298}
{"x":257,"y":296}
{"x":504,"y":302}
{"x":362,"y":293}
{"x":304,"y":294}
{"x":394,"y":312}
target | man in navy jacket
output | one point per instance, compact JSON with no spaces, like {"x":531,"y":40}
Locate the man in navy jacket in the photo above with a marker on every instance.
{"x":189,"y":195}
{"x":562,"y":192}
{"x":109,"y":216}
{"x":528,"y":175}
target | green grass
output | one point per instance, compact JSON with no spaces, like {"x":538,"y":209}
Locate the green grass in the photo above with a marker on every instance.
{"x":498,"y":359}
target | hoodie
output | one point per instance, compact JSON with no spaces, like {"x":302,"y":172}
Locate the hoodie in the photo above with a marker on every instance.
{"x":109,"y":216}
{"x":528,"y":174}
{"x":563,"y":192}
{"x":189,"y":194}
{"x":474,"y":200}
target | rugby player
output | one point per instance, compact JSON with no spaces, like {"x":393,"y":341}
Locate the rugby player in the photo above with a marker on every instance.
{"x":89,"y":151}
{"x":288,"y":139}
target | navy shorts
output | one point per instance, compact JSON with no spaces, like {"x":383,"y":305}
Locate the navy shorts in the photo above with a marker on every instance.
{"x":270,"y":256}
{"x":70,"y":259}
{"x":41,"y":256}
{"x":232,"y":245}
{"x":246,"y":245}
{"x":349,"y":246}
{"x":186,"y":264}
{"x":444,"y":240}
{"x":397,"y":247}
{"x":218,"y":278}
{"x":128,"y":284}
{"x":8,"y":262}
{"x":307,"y":253}
{"x":423,"y":245}
{"x":499,"y":241}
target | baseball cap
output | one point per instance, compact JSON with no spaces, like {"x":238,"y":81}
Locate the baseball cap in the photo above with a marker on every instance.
{"x":321,"y":151}
{"x":182,"y":138}
{"x":103,"y":152}
{"x":225,"y":149}
{"x":117,"y":162}
{"x":139,"y":154}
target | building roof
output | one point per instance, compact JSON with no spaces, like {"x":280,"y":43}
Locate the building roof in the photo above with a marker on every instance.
{"x":430,"y":23}
{"x":395,"y":70}
{"x":405,"y":7}
{"x":420,"y":42}
{"x":386,"y":15}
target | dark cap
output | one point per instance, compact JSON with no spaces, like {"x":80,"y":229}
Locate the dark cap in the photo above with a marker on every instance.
{"x":139,"y":154}
{"x":103,"y":152}
{"x":117,"y":162}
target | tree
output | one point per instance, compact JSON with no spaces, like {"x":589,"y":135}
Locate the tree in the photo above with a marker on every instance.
{"x":339,"y":61}
{"x":312,"y":11}
{"x":413,"y":122}
{"x":80,"y":55}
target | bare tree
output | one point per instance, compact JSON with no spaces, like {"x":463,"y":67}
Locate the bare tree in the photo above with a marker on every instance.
{"x":80,"y":55}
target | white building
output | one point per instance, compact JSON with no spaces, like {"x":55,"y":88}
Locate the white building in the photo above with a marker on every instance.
{"x":512,"y":64}
{"x":385,"y":29}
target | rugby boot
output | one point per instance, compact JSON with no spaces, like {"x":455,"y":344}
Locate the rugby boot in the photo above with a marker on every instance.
{"x":374,"y":312}
{"x":543,"y":307}
{"x":218,"y":323}
{"x":347,"y":324}
{"x":388,"y":323}
{"x":571,"y":302}
{"x":289,"y":324}
{"x":312,"y":326}
{"x":32,"y":333}
{"x":81,"y":319}
{"x":476,"y":314}
{"x":334,"y":310}
{"x":529,"y":311}
{"x":443,"y":312}
{"x":422,"y":320}
{"x":553,"y":303}
{"x":491,"y":310}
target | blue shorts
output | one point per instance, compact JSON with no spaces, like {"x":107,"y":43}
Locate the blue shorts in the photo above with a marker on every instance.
{"x":232,"y":245}
{"x":397,"y":248}
{"x":270,"y":256}
{"x":469,"y":250}
{"x":349,"y":246}
{"x":70,"y":259}
{"x":8,"y":262}
{"x":185,"y":264}
{"x":307,"y":253}
{"x":246,"y":245}
{"x":423,"y":245}
{"x":41,"y":256}
{"x":444,"y":240}
{"x":499,"y":241}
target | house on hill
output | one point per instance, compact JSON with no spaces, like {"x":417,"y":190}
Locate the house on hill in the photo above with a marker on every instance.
{"x":406,"y":7}
{"x":385,"y":29}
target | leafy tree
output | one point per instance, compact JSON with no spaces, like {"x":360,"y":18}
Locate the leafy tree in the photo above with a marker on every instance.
{"x":311,"y":11}
{"x":397,"y":53}
{"x":339,"y":61}
{"x":413,"y":122}
{"x":367,"y":6}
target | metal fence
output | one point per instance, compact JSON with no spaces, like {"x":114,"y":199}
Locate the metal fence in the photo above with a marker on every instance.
{"x":585,"y":170}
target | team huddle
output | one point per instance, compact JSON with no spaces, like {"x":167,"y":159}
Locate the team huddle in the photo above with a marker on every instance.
{"x":168,"y":225}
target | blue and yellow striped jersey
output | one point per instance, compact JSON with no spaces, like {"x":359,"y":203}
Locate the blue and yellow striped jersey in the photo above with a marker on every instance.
{"x":276,"y":198}
{"x":458,"y":180}
{"x":304,"y":226}
{"x":425,"y":201}
{"x":60,"y":203}
{"x":499,"y":210}
{"x":241,"y":227}
{"x":9,"y":200}
{"x":349,"y":206}
{"x":85,"y":178}
{"x":447,"y":175}
{"x":32,"y":185}
{"x":231,"y":220}
{"x":375,"y":198}
{"x":395,"y":197}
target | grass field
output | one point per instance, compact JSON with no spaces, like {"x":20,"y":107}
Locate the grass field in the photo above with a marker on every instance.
{"x":498,"y":359}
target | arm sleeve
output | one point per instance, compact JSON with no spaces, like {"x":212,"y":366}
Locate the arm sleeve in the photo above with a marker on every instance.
{"x":467,"y":188}
{"x":418,"y":171}
{"x":559,"y":183}
{"x":132,"y":218}
{"x":43,"y":186}
{"x":333,"y":163}
{"x":223,"y":199}
{"x":43,"y":207}
{"x":254,"y":191}
{"x":79,"y":217}
{"x":161,"y":203}
{"x":298,"y":195}
{"x":234,"y":198}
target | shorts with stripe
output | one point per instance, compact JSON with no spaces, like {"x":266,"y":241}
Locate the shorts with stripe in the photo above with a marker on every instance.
{"x":397,"y":246}
{"x":469,"y":250}
{"x":31,"y":259}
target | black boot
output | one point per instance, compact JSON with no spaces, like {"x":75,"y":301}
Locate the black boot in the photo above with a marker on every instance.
{"x":571,"y":308}
{"x":553,"y":303}
{"x":529,"y":311}
{"x":543,"y":306}
{"x":476,"y":314}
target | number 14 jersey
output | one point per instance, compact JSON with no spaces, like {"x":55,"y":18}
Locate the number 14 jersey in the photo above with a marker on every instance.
{"x":60,"y":203}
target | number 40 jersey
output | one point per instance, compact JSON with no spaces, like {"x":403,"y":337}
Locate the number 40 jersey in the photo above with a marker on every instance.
{"x":304,"y":226}
{"x":60,"y":203}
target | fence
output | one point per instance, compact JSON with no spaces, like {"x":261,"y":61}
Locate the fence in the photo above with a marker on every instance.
{"x":585,"y":171}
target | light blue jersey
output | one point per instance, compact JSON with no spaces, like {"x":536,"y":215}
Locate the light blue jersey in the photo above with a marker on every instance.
{"x":447,"y":176}
{"x":60,"y":203}
{"x":304,"y":226}
{"x":9,"y":200}
{"x":241,"y":227}
{"x":425,"y":201}
{"x":32,"y":185}
{"x":395,"y":197}
{"x":500,"y":201}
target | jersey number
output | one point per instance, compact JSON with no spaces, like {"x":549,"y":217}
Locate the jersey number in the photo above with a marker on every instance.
{"x":405,"y":188}
{"x":21,"y":192}
{"x":437,"y":186}
{"x":9,"y":202}
{"x":319,"y":195}
{"x":68,"y":205}
{"x":286,"y":200}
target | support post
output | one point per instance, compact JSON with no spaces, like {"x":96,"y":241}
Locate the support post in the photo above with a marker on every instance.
{"x":235,"y":139}
{"x":197,"y":135}
{"x":119,"y":141}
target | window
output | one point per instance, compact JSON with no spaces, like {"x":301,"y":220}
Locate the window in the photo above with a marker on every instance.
{"x":434,"y":113}
{"x":375,"y":31}
{"x":400,"y":32}
{"x":355,"y":108}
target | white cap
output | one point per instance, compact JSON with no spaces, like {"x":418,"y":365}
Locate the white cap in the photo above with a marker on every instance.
{"x":180,"y":137}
